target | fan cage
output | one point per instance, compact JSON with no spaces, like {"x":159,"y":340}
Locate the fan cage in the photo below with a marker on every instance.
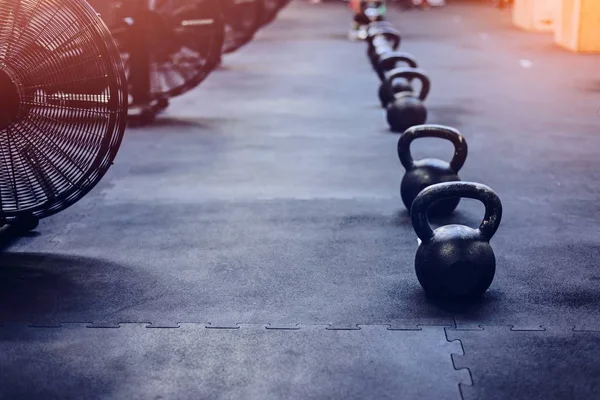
{"x":182,"y":39}
{"x":271,"y":9}
{"x":242,"y":19}
{"x":72,"y":111}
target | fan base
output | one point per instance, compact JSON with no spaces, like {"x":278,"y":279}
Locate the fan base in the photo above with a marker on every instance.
{"x":24,"y":224}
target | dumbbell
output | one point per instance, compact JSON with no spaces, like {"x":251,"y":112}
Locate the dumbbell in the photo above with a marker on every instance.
{"x":381,"y":40}
{"x":387,"y":63}
{"x":407,"y":108}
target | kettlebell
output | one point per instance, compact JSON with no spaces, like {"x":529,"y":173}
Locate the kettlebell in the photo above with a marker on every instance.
{"x":423,"y":173}
{"x":377,"y":25}
{"x":456,"y":261}
{"x":407,"y":108}
{"x":387,"y":63}
{"x":374,"y":27}
{"x":381,"y":40}
{"x":390,"y":60}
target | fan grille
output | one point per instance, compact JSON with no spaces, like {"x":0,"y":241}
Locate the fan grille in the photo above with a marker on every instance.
{"x":242,"y":19}
{"x":184,"y":39}
{"x":270,"y":8}
{"x":61,"y":132}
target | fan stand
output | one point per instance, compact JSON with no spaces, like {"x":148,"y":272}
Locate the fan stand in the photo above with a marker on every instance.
{"x":147,"y":107}
{"x":23,"y":224}
{"x":140,"y":68}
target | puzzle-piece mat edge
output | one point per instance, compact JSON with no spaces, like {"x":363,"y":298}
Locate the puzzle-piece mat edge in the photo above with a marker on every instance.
{"x":458,"y":358}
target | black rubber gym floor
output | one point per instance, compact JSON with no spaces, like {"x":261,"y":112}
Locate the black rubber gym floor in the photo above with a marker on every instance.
{"x":258,"y":224}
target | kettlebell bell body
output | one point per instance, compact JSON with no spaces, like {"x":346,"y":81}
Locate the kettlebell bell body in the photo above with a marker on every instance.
{"x":407,"y":109}
{"x":424,"y":173}
{"x":455,"y":261}
{"x":387,"y":91}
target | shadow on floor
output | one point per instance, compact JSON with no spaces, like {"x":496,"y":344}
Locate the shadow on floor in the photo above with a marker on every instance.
{"x":449,"y":115}
{"x":163,"y":121}
{"x":35,"y":286}
{"x":9,"y":236}
{"x":591,"y":87}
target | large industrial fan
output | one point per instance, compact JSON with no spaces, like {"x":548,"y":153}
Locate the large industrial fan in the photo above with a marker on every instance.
{"x":168,"y":47}
{"x":270,"y":8}
{"x":242,"y":20}
{"x":63,"y":106}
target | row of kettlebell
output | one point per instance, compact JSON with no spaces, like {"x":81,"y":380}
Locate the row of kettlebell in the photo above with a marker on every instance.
{"x":453,"y":261}
{"x":397,"y":72}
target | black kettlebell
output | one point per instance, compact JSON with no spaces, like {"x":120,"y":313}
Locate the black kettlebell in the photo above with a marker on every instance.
{"x":407,"y":109}
{"x":381,"y":40}
{"x":385,"y":29}
{"x":387,"y":63}
{"x":423,"y":173}
{"x":456,"y":261}
{"x":373,"y":26}
{"x":390,"y":61}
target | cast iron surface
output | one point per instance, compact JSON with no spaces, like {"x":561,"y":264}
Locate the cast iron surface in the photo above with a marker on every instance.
{"x":387,"y":63}
{"x":63,"y":105}
{"x":383,"y":41}
{"x":407,"y":109}
{"x":390,"y":61}
{"x":423,"y":173}
{"x":455,"y":262}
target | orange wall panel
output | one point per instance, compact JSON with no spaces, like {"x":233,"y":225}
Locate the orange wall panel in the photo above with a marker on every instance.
{"x":579,"y":26}
{"x":589,"y":32}
{"x":535,"y":15}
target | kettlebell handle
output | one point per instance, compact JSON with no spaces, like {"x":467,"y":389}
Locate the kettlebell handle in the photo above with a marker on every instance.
{"x":434,"y":131}
{"x":391,"y":35}
{"x":409,"y":74}
{"x":471,"y":190}
{"x":388,"y":61}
